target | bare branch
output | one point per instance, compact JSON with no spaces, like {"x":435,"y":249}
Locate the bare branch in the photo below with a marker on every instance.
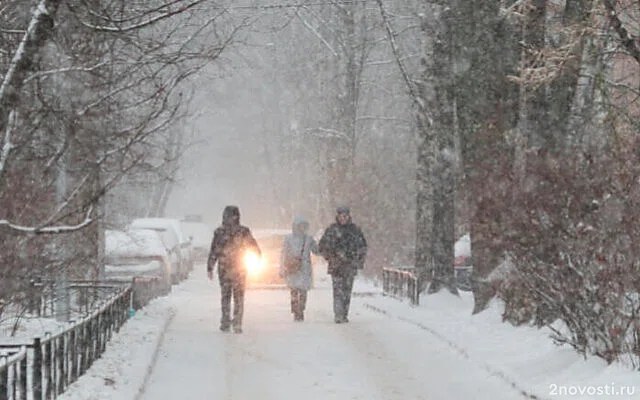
{"x":403,"y":71}
{"x":317,"y":34}
{"x":150,"y":21}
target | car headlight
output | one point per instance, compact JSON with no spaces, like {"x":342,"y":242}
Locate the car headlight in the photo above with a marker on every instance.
{"x":253,"y":263}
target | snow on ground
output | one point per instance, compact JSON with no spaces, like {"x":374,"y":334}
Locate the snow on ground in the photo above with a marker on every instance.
{"x":389,"y":350}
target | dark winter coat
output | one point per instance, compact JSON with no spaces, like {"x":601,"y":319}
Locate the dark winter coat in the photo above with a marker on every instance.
{"x":344,"y":247}
{"x":231,"y":242}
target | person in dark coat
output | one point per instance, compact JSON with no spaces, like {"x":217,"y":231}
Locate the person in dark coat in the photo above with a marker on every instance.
{"x":344,"y":246}
{"x":230,"y":245}
{"x":298,"y":244}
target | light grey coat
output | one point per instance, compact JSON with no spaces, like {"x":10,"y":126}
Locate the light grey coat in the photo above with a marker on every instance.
{"x":292,"y":247}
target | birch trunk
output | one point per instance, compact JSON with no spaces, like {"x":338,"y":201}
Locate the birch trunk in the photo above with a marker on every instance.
{"x":38,"y":32}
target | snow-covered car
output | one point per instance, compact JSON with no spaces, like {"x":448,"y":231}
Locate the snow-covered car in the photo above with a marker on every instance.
{"x":463,"y":264}
{"x":174,"y":239}
{"x":266,"y":272}
{"x":137,"y":254}
{"x":201,"y":235}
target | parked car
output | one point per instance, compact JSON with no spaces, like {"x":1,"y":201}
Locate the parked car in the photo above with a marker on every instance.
{"x":463,"y":264}
{"x":201,"y":235}
{"x":138,"y":254}
{"x":174,"y":239}
{"x":266,"y":271}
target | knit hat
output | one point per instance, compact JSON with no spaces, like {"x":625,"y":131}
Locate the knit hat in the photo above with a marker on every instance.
{"x":343,"y":210}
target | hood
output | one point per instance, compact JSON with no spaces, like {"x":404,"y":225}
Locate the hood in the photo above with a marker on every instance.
{"x":300,"y":225}
{"x":231,"y":215}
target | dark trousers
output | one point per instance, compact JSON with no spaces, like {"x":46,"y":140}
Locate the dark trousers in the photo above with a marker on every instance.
{"x":298,"y":301}
{"x":232,"y":289}
{"x":342,"y":288}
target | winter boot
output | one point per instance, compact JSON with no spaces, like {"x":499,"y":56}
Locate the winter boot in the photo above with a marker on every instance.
{"x":237,"y":327}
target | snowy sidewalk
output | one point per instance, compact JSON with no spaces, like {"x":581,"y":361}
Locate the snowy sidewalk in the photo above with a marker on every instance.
{"x":524,"y":358}
{"x":388,"y":351}
{"x":276,"y":358}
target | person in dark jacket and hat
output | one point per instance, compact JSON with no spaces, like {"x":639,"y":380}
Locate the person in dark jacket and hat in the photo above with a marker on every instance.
{"x":231,"y":243}
{"x":344,"y":246}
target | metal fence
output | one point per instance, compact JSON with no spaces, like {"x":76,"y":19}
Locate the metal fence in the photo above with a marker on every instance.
{"x":401,"y":284}
{"x":84,"y":296}
{"x":44,"y":368}
{"x":13,"y":374}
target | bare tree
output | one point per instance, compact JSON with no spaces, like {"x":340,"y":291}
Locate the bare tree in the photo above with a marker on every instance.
{"x":86,"y":104}
{"x":348,"y":125}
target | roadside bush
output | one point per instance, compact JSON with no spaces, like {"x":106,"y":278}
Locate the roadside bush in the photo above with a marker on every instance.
{"x":575,"y":245}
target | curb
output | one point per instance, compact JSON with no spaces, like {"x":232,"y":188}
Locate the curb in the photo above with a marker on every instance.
{"x":154,"y":357}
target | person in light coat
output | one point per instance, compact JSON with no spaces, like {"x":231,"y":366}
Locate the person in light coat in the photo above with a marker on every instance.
{"x":298,"y":243}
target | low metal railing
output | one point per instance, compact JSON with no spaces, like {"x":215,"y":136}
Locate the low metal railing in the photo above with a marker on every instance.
{"x":84,"y":295}
{"x":44,"y":368}
{"x":59,"y":360}
{"x":13,"y":374}
{"x":401,"y":284}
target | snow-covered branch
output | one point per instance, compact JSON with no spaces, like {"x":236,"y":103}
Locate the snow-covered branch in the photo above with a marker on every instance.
{"x":329,"y":133}
{"x":49,"y":229}
{"x":41,"y":74}
{"x":7,"y":145}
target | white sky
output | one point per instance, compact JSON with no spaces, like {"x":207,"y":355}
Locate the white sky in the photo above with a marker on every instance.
{"x":388,"y":351}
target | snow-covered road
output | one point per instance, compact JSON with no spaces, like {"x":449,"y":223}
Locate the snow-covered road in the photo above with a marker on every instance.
{"x":372,"y":357}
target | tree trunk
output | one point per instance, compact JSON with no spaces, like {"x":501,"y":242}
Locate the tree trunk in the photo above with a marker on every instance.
{"x":563,"y":90}
{"x":425,"y":163}
{"x":424,"y":206}
{"x":481,"y":97}
{"x":443,"y":176}
{"x":348,"y":100}
{"x":39,"y":31}
{"x":444,"y":221}
{"x":533,"y":103}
